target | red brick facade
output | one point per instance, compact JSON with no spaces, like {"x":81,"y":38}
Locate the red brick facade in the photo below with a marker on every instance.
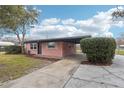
{"x":61,"y":49}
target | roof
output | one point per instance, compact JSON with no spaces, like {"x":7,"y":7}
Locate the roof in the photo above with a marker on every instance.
{"x":6,"y":43}
{"x":75,"y":39}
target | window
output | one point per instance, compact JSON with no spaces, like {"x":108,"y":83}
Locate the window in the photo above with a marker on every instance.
{"x":51,"y":45}
{"x":33,"y":46}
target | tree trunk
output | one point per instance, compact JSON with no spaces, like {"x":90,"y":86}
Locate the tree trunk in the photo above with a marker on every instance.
{"x":23,"y":38}
{"x":22,"y":49}
{"x":21,"y":42}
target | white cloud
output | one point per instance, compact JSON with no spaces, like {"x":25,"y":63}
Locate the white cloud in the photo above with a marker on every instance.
{"x":98,"y":25}
{"x":69,"y":21}
{"x":105,"y":34}
{"x":51,"y":21}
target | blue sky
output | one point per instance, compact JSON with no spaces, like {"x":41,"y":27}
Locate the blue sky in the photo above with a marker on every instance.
{"x":69,"y":11}
{"x":80,"y":15}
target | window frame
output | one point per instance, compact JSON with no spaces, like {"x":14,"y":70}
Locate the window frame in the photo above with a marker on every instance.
{"x":51,"y":45}
{"x":33,"y":45}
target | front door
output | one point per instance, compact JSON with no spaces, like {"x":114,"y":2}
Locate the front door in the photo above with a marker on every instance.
{"x":39,"y":46}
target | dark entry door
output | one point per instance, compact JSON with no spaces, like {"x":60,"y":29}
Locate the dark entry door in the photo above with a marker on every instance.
{"x":39,"y":50}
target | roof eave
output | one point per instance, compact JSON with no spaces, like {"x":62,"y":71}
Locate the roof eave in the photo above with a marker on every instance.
{"x":68,"y":39}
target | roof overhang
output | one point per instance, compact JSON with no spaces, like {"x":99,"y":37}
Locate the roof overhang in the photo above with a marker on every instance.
{"x":75,"y":40}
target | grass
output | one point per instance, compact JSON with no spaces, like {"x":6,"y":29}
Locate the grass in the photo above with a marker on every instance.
{"x":119,"y":52}
{"x":14,"y":66}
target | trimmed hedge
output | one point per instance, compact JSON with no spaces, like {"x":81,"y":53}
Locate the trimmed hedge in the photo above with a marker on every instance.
{"x":13,"y":49}
{"x":99,"y":49}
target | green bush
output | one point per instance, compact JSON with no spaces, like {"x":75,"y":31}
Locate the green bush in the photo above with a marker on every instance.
{"x":99,"y":49}
{"x":13,"y":49}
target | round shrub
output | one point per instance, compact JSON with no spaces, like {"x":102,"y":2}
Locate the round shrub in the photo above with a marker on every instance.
{"x":99,"y":49}
{"x":13,"y":49}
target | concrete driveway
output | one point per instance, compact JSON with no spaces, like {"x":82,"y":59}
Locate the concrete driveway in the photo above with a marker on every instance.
{"x":89,"y":76}
{"x":53,"y":75}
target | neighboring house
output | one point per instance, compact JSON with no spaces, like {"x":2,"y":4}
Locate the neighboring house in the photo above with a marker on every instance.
{"x":4,"y":44}
{"x":53,"y":48}
{"x":121,"y":46}
{"x":120,"y":43}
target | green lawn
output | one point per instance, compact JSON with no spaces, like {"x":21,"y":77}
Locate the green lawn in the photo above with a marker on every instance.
{"x":120,"y":52}
{"x":14,"y":66}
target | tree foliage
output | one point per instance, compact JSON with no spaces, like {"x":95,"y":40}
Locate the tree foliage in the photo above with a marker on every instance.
{"x":99,"y":49}
{"x":118,"y":14}
{"x":18,"y":19}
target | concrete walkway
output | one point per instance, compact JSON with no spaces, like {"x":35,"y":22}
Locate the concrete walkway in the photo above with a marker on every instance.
{"x":54,"y":75}
{"x":89,"y":76}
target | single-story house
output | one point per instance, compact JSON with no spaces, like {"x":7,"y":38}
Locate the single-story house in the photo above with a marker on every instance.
{"x":53,"y":48}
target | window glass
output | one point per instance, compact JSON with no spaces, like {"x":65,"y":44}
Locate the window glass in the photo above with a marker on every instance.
{"x":33,"y":46}
{"x":51,"y":45}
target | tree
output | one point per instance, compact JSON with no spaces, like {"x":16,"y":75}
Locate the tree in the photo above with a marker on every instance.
{"x":18,"y":19}
{"x":118,"y":14}
{"x":3,"y":32}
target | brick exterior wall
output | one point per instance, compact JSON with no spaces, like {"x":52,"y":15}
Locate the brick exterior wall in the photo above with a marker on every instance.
{"x":68,"y":49}
{"x":61,"y":49}
{"x":55,"y":52}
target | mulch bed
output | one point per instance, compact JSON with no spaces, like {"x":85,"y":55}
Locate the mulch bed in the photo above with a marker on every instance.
{"x":96,"y":64}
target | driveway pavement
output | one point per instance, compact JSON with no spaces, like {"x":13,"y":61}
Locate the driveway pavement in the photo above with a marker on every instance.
{"x":68,"y":73}
{"x":88,"y":76}
{"x":53,"y":75}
